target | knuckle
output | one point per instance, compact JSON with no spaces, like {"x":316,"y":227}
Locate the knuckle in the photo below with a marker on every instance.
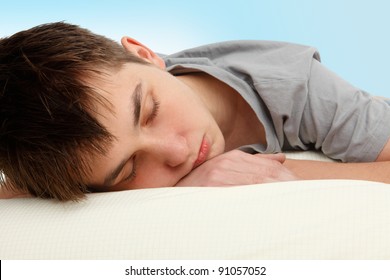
{"x":223,"y":161}
{"x":214,"y":176}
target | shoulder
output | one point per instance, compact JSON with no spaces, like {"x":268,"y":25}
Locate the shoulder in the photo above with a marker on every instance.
{"x":264,"y":59}
{"x":258,"y":47}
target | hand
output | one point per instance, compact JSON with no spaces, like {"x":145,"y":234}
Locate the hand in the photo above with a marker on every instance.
{"x":239,"y":168}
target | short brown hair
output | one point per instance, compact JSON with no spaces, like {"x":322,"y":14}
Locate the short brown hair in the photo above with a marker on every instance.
{"x":47,"y":126}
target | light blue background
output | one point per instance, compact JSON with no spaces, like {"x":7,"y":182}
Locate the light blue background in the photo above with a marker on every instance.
{"x":352,"y":35}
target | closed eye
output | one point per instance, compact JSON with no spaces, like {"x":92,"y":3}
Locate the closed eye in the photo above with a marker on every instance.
{"x":154,"y":112}
{"x":133,"y":173}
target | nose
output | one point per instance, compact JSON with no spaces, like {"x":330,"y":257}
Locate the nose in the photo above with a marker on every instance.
{"x":172,"y":150}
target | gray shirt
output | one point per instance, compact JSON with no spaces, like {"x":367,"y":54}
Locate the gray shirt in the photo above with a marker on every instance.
{"x":301,"y":104}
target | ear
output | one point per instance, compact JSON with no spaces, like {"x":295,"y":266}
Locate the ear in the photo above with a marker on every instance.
{"x":142,"y":51}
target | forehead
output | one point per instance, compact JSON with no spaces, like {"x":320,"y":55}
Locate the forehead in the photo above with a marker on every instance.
{"x":108,"y":87}
{"x":109,"y":81}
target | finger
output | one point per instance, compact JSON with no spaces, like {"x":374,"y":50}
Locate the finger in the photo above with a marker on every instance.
{"x":278,"y":157}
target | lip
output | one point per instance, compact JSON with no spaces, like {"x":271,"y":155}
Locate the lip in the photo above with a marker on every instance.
{"x":203,"y":152}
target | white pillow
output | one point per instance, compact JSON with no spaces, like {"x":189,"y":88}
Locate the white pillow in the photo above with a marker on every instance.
{"x":324,"y":219}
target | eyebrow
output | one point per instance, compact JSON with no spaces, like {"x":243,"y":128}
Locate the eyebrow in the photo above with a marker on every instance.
{"x":136,"y":98}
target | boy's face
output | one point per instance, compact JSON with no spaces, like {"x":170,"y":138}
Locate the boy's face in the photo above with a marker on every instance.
{"x":162,"y":127}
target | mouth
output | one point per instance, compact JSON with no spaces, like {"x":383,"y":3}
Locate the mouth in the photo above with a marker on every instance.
{"x":203,"y":152}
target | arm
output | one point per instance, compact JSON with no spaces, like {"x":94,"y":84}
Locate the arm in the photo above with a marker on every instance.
{"x":346,"y":124}
{"x":372,"y":171}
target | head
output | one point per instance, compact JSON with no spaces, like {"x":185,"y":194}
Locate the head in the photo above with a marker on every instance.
{"x":79,"y":112}
{"x":48,"y":126}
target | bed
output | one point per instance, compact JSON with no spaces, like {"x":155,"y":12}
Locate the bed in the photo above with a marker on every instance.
{"x":319,"y":219}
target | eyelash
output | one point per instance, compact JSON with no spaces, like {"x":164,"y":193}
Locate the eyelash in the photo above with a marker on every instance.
{"x":154,"y":113}
{"x":133,"y":173}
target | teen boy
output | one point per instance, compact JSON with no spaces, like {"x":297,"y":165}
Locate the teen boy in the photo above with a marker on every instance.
{"x":80,"y":113}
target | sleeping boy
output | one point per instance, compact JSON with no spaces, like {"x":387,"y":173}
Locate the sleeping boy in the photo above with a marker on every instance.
{"x":80,"y":113}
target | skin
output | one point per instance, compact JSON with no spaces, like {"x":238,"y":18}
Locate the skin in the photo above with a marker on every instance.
{"x":187,"y":132}
{"x":168,"y":149}
{"x":183,"y":123}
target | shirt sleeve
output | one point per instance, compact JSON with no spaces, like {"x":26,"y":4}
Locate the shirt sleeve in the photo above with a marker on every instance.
{"x":324,"y":112}
{"x":346,"y":123}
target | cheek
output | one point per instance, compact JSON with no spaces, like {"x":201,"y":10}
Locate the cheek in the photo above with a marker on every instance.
{"x":186,"y":107}
{"x":156,"y":176}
